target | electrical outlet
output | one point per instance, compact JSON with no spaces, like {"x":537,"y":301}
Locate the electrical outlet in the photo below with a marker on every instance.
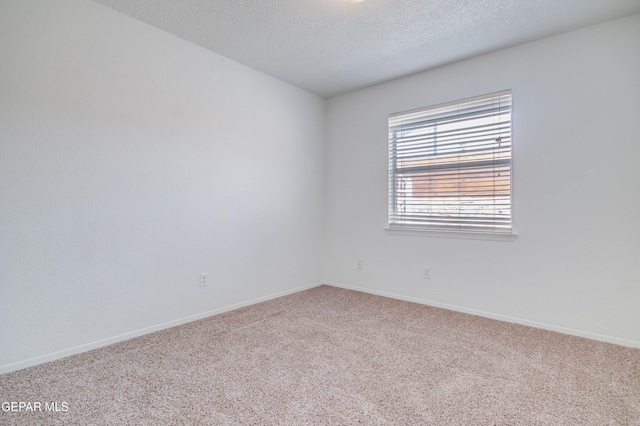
{"x":427,"y":273}
{"x":203,"y":279}
{"x":359,"y":264}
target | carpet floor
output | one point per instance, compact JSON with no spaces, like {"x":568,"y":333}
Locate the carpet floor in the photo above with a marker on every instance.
{"x":336,"y":357}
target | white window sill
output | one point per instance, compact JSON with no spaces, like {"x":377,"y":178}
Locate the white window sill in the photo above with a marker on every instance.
{"x":464,"y":235}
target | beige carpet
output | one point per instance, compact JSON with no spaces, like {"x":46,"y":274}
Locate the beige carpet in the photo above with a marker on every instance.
{"x":337,"y":357}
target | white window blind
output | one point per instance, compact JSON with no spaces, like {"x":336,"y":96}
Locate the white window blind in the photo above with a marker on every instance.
{"x":450,"y":166}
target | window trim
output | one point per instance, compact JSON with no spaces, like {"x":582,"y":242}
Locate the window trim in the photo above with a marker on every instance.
{"x":455,"y":234}
{"x":443,"y":232}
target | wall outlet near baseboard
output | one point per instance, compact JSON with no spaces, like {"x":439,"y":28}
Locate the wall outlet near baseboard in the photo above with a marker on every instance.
{"x":427,"y":273}
{"x":360,"y":264}
{"x":203,"y":279}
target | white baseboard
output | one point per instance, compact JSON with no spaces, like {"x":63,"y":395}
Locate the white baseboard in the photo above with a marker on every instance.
{"x":506,"y":318}
{"x":136,"y":333}
{"x":8,"y":368}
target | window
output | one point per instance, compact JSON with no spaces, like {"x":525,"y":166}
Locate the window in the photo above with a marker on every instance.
{"x":450,"y":166}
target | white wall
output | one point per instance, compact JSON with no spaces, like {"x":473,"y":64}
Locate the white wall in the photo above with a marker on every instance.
{"x":131,"y":161}
{"x":576,"y":130}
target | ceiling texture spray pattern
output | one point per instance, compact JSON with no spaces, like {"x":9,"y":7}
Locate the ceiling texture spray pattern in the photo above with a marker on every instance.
{"x":331,"y":47}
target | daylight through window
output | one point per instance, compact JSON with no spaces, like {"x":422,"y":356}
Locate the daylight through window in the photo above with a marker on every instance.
{"x":450,"y":166}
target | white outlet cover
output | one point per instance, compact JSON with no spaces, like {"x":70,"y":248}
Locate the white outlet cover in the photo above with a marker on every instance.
{"x":427,"y":272}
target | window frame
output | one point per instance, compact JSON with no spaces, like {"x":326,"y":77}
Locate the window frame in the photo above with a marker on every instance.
{"x":455,"y":229}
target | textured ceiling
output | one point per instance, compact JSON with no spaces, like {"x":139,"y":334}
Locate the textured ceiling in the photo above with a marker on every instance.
{"x":331,"y":47}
